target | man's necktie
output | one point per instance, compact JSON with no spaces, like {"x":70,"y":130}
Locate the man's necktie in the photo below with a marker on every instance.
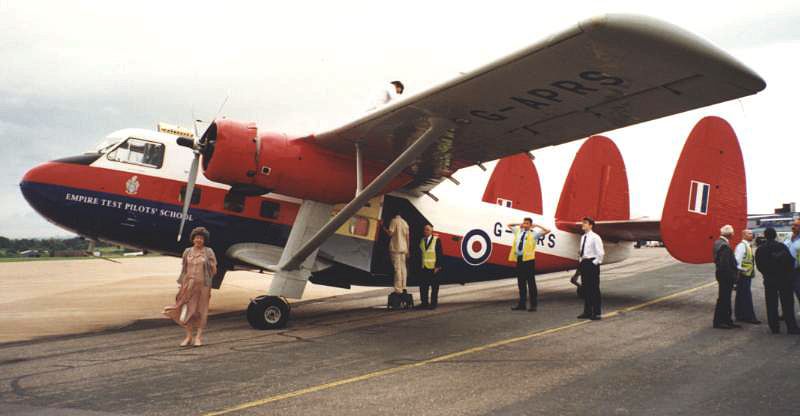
{"x":583,"y":244}
{"x":521,"y":242}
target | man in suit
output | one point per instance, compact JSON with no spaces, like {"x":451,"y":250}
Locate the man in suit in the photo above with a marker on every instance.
{"x":589,"y":258}
{"x":430,"y":250}
{"x":726,"y":276}
{"x":776,"y":264}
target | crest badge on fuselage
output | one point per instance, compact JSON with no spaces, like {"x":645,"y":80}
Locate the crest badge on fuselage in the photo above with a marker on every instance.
{"x":476,"y":247}
{"x":132,"y":185}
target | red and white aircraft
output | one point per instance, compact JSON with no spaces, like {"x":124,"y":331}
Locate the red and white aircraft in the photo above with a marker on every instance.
{"x":309,"y":208}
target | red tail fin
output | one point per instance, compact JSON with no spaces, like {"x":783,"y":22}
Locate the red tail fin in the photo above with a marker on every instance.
{"x":597,"y":184}
{"x":515,"y":181}
{"x":707,"y":191}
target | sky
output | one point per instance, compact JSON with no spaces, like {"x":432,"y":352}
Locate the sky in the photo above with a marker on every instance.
{"x":72,"y":72}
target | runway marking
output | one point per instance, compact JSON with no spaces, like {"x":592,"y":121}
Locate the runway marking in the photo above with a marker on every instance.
{"x":473,"y":350}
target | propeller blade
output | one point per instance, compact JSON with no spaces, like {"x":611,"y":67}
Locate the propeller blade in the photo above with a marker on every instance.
{"x":187,"y":197}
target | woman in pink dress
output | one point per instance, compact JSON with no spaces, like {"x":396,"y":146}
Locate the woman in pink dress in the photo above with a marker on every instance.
{"x":191,"y":303}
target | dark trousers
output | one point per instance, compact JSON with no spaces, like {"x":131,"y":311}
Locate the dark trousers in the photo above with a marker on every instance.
{"x":796,"y":283}
{"x":743,"y":306}
{"x":590,"y":281}
{"x":526,"y":282}
{"x":779,"y":289}
{"x":427,"y":280}
{"x":722,"y":312}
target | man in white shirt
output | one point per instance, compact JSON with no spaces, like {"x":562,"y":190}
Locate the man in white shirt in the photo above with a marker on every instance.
{"x":392,"y":91}
{"x":745,"y":262}
{"x":398,"y":251}
{"x":590,"y":257}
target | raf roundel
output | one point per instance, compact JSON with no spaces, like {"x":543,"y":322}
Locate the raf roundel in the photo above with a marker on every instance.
{"x":476,"y":247}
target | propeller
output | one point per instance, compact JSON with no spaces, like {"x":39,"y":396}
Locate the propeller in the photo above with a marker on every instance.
{"x":198,"y":147}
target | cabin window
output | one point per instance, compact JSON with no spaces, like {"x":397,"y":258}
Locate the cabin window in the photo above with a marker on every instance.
{"x":359,"y":226}
{"x":139,"y":152}
{"x":195,"y":195}
{"x":270,"y":209}
{"x":234,"y":201}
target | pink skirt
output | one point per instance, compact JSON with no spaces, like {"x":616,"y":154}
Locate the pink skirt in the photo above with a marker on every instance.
{"x":191,"y":305}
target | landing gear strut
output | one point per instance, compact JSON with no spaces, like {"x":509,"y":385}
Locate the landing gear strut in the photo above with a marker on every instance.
{"x":268,"y":312}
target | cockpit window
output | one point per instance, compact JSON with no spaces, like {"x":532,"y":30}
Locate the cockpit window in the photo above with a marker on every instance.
{"x":139,"y":152}
{"x":105,"y":146}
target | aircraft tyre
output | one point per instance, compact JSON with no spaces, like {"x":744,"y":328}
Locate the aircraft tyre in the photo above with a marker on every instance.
{"x":268,"y":312}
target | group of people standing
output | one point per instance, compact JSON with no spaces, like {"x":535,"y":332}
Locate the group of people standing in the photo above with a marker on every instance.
{"x":522,"y":253}
{"x":779,"y":263}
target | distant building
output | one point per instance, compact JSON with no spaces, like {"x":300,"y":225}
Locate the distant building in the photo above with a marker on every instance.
{"x":781,"y":220}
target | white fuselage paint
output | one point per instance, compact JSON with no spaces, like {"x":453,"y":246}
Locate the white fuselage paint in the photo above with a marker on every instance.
{"x":459,"y":209}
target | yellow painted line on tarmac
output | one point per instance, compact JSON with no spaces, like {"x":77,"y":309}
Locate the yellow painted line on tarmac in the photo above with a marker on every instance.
{"x":457,"y":354}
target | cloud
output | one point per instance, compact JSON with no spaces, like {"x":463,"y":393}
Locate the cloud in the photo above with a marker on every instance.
{"x":75,"y":71}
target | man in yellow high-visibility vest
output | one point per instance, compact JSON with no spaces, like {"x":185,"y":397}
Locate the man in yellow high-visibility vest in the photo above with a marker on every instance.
{"x":430,"y":249}
{"x":523,"y":253}
{"x":745,"y":261}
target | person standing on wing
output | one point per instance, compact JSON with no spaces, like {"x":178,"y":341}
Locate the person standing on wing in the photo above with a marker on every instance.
{"x":392,"y":92}
{"x":589,"y":259}
{"x":745,"y":261}
{"x":523,"y":253}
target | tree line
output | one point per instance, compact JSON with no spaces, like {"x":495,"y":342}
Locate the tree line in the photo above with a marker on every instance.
{"x":13,"y":246}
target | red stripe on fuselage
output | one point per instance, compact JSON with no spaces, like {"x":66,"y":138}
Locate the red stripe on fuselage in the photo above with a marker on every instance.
{"x":545,"y":263}
{"x":152,"y":188}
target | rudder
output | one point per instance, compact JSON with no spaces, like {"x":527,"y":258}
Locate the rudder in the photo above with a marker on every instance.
{"x":708,"y":190}
{"x":596,"y":185}
{"x":515,"y":181}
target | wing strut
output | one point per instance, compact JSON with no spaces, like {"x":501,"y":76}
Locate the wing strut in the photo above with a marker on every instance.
{"x":293,"y":260}
{"x":437,"y":128}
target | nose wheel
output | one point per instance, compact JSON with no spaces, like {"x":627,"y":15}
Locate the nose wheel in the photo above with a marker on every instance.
{"x":268,"y":312}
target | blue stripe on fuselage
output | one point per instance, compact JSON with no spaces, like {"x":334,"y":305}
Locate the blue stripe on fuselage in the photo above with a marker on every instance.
{"x":143,"y":223}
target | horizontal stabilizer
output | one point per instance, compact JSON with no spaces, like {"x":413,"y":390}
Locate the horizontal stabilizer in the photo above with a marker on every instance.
{"x":623,"y":230}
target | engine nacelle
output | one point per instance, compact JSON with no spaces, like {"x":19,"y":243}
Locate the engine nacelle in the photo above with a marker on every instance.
{"x":256,"y":163}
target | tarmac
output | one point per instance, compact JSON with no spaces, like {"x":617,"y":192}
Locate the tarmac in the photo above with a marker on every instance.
{"x":654,"y":353}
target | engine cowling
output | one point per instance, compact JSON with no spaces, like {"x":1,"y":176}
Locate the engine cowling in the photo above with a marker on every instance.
{"x":256,"y":162}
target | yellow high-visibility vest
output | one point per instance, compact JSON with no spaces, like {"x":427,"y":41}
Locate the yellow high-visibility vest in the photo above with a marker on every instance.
{"x":747,"y":261}
{"x":429,"y":253}
{"x":528,"y":247}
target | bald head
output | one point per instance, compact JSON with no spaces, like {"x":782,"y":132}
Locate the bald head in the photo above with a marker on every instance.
{"x":796,"y":227}
{"x":747,"y":235}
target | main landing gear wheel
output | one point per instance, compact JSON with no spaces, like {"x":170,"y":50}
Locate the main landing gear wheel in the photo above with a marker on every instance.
{"x":268,"y":312}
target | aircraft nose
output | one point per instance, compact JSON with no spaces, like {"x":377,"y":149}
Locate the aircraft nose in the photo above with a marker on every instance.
{"x":33,"y":186}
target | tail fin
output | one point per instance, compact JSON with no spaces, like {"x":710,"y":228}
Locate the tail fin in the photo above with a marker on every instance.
{"x":708,"y":190}
{"x":597,"y":184}
{"x":515,"y":183}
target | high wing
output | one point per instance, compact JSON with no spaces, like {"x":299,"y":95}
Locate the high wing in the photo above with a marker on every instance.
{"x":621,"y":230}
{"x":602,"y":74}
